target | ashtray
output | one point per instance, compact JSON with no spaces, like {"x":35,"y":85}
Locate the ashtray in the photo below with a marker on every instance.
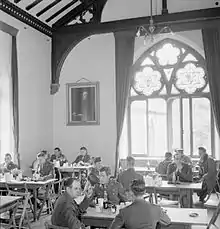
{"x":193,"y":214}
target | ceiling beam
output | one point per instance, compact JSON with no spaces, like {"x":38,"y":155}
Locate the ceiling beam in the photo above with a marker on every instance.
{"x":33,"y":4}
{"x":73,"y":13}
{"x":17,"y":1}
{"x":25,"y":17}
{"x":61,"y":10}
{"x":182,"y":21}
{"x":51,"y":5}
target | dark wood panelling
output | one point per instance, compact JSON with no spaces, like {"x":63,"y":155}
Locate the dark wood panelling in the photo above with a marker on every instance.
{"x":33,"y":4}
{"x":61,"y":10}
{"x":73,"y":13}
{"x":183,"y":21}
{"x":51,"y":5}
{"x":25,"y":17}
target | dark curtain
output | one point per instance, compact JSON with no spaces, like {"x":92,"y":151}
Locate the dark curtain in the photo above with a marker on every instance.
{"x":14,"y":75}
{"x":211,"y":42}
{"x":124,"y":53}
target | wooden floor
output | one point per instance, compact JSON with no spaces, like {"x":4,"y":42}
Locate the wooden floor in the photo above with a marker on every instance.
{"x":40,"y":224}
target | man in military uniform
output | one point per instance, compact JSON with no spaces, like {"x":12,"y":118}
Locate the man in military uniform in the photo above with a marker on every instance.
{"x":97,"y":166}
{"x":8,"y":165}
{"x":115,"y":191}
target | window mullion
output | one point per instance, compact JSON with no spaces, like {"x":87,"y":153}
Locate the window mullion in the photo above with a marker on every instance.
{"x":181,"y":123}
{"x":147,"y":128}
{"x":191,"y":126}
{"x":169,"y":125}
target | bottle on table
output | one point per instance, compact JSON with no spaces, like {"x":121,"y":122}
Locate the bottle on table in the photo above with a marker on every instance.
{"x":105,"y":200}
{"x":174,"y":178}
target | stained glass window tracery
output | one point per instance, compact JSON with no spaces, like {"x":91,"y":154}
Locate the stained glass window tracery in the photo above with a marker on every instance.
{"x":169,"y":89}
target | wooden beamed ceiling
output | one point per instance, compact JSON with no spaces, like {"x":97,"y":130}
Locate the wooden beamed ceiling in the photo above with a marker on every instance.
{"x":48,"y":15}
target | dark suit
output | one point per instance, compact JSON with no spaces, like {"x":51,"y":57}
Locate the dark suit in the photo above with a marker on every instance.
{"x":67,"y":213}
{"x":126,"y":177}
{"x":115,"y":192}
{"x":162,"y":167}
{"x":46,"y":170}
{"x":82,"y":158}
{"x":184,"y":176}
{"x":140,"y":215}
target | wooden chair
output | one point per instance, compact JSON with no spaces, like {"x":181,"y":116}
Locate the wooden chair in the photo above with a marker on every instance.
{"x":16,"y":189}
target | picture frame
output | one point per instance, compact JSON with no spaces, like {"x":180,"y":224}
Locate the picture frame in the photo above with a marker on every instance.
{"x":83,"y":103}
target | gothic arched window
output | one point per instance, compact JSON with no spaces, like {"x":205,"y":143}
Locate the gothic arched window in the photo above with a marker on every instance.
{"x":169,"y":102}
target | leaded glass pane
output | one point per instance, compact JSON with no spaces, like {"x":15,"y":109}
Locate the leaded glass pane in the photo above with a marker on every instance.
{"x":206,"y":89}
{"x":132,"y":92}
{"x":190,"y":78}
{"x":163,"y":91}
{"x":189,"y":57}
{"x":168,"y":73}
{"x":174,"y":91}
{"x":147,"y":61}
{"x":168,"y":55}
{"x":147,"y":81}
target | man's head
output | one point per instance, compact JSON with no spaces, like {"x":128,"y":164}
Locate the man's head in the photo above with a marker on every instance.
{"x":180,"y":151}
{"x":177,"y":158}
{"x":202,"y":151}
{"x":138,"y":188}
{"x":104,"y":175}
{"x":98,"y":163}
{"x":168,"y":156}
{"x":57,"y":151}
{"x":8,"y":158}
{"x":73,"y":187}
{"x":130,"y":162}
{"x":42,"y":157}
{"x":83,"y":151}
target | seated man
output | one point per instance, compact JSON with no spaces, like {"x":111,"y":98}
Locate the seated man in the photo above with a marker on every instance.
{"x":126,"y":177}
{"x":207,"y":173}
{"x":115,"y":191}
{"x":140,"y":214}
{"x":45,"y":170}
{"x":8,"y":165}
{"x":97,"y":166}
{"x":163,"y":165}
{"x":58,"y":156}
{"x":83,"y":157}
{"x":67,"y":212}
{"x":184,"y":158}
{"x":179,"y":170}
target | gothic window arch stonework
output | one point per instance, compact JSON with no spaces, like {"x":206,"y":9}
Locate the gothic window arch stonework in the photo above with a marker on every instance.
{"x":169,"y":101}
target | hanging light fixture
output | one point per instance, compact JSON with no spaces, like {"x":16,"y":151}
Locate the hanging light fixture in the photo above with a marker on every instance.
{"x":150,"y":32}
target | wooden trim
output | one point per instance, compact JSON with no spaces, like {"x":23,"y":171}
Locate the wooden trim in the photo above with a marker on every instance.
{"x":17,"y":1}
{"x":48,"y":7}
{"x":181,"y":21}
{"x":8,"y":29}
{"x":25,"y":17}
{"x":72,"y":14}
{"x":33,"y":4}
{"x":61,"y":11}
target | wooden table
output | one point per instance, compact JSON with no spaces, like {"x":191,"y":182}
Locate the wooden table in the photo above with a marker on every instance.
{"x":178,"y":216}
{"x":9,"y":203}
{"x":33,"y":186}
{"x":184,"y":189}
{"x":73,"y":169}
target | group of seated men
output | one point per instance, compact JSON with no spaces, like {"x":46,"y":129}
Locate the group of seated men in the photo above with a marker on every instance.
{"x":182,"y":166}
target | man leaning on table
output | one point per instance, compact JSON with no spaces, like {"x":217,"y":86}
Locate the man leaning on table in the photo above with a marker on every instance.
{"x":115,"y":191}
{"x":140,"y":214}
{"x":67,"y":212}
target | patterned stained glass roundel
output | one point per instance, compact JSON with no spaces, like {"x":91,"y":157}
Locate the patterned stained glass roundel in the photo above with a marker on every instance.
{"x":190,"y":78}
{"x":147,"y":81}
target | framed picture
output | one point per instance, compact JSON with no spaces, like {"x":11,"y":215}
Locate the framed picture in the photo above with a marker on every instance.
{"x":83,"y":103}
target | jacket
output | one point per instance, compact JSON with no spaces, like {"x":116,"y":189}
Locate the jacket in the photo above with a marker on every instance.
{"x":67,"y":212}
{"x":140,"y":215}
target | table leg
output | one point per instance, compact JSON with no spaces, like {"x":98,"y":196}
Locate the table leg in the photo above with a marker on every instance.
{"x":35,"y":203}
